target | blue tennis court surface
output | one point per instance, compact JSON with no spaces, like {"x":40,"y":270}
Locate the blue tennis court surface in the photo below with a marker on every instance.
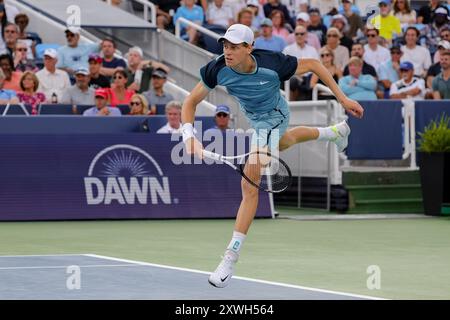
{"x":99,"y":277}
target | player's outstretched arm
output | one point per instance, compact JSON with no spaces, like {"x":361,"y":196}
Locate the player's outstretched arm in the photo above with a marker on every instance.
{"x":313,"y":65}
{"x":187,"y":118}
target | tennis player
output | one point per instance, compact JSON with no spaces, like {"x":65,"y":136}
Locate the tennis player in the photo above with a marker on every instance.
{"x":254,"y":78}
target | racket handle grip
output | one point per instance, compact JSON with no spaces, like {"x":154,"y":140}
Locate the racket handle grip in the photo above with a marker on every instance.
{"x":212,"y":155}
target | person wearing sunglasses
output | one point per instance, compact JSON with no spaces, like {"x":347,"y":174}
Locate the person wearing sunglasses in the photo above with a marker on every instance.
{"x":75,"y":54}
{"x":312,"y":39}
{"x":388,"y":24}
{"x":21,"y":61}
{"x":157,"y":96}
{"x":409,"y":86}
{"x":138,"y":105}
{"x":119,"y":93}
{"x":341,"y":53}
{"x":340,"y":22}
{"x":374,"y":53}
{"x":32,"y":38}
{"x":389,"y":71}
{"x":327,"y":59}
{"x":221,"y":119}
{"x":300,"y":49}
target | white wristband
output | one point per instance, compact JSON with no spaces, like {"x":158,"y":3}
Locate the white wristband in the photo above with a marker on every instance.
{"x":188,"y":131}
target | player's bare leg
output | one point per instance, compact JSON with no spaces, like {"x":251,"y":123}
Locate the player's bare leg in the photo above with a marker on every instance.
{"x":246,"y":213}
{"x":338,"y":134}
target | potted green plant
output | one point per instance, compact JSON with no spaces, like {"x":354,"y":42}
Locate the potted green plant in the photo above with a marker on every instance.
{"x":434,"y":161}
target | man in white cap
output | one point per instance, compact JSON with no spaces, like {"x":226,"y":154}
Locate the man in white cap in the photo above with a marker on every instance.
{"x":254,"y":77}
{"x":75,"y":55}
{"x":80,"y":93}
{"x":52,"y":81}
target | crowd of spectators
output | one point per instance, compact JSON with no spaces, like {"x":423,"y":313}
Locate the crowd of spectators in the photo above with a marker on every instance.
{"x":78,"y":73}
{"x":370,"y":56}
{"x":400,"y":53}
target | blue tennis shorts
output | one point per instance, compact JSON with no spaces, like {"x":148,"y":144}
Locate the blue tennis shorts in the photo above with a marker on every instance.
{"x":269,"y":127}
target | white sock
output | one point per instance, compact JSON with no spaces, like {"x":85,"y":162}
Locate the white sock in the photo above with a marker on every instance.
{"x":326,"y":134}
{"x":236,"y":242}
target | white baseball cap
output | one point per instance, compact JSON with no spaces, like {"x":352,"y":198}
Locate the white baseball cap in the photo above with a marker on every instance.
{"x":254,"y":3}
{"x":52,"y":53}
{"x":238,"y":33}
{"x":303,"y":16}
{"x":73,"y":29}
{"x":136,"y":49}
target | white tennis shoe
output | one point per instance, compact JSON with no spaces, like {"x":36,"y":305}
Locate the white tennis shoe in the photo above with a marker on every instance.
{"x":222,"y":276}
{"x":342,"y":131}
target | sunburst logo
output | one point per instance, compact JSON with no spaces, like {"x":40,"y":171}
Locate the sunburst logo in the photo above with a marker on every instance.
{"x":121,"y":163}
{"x":127,"y":175}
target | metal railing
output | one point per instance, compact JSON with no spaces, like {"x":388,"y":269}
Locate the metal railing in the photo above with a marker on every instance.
{"x":320,"y":88}
{"x":147,"y":5}
{"x":195,"y":26}
{"x":21,"y":105}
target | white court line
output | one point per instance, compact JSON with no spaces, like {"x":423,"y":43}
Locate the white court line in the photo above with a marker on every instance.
{"x":42,"y":255}
{"x":236,"y":277}
{"x":69,"y":265}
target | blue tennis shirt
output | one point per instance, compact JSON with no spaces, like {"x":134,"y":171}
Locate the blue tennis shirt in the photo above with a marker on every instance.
{"x":257,"y":92}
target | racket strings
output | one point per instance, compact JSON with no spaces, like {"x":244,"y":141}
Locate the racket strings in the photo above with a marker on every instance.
{"x":267,"y":173}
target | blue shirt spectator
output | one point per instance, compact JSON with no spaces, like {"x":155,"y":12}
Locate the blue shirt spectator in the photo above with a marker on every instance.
{"x":189,"y":11}
{"x":267,"y":41}
{"x":75,"y":55}
{"x":94,"y":111}
{"x":358,"y":86}
{"x":6,"y":94}
{"x":388,"y":72}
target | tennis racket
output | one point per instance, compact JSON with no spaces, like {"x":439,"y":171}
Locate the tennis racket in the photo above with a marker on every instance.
{"x":261,"y":169}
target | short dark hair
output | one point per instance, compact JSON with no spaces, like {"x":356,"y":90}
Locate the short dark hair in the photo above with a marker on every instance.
{"x":446,"y":53}
{"x":413,"y":28}
{"x":373,"y":29}
{"x":10,"y":60}
{"x":110,"y":40}
{"x":122,"y":72}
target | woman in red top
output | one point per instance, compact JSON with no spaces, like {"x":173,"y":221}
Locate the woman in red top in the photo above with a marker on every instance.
{"x":119,"y":94}
{"x":29,"y":84}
